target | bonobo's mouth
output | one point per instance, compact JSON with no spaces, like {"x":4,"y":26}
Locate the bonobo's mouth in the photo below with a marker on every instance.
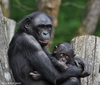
{"x":44,"y":42}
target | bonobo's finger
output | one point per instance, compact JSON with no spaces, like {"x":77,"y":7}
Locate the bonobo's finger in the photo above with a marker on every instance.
{"x":31,"y":73}
{"x":66,"y":67}
{"x":36,"y":72}
{"x":76,"y":63}
{"x":87,"y":70}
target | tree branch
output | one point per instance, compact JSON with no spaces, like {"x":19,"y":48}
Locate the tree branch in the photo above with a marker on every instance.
{"x":72,"y":4}
{"x":20,"y":5}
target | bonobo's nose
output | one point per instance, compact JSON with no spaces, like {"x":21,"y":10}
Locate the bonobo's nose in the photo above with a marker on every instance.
{"x":63,"y":59}
{"x":45,"y":33}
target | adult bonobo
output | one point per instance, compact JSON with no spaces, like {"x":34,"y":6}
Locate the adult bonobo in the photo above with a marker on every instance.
{"x":27,"y":53}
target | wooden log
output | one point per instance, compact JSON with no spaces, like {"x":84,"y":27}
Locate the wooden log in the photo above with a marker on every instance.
{"x":88,"y":47}
{"x":5,"y":73}
{"x":10,"y":25}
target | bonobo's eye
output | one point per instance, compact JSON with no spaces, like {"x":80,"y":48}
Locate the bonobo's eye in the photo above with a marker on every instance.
{"x":67,"y":57}
{"x":41,"y":26}
{"x":49,"y":26}
{"x":62,"y":54}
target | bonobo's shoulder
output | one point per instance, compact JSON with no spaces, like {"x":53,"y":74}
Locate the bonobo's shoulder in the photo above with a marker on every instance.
{"x":26,"y":39}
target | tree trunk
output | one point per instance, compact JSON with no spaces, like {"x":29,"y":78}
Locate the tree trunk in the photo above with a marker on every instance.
{"x":92,"y":12}
{"x":5,"y":7}
{"x":10,"y":24}
{"x":88,"y":47}
{"x":50,"y":7}
{"x":5,"y":73}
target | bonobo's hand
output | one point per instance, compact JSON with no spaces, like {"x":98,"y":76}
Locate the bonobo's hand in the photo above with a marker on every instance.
{"x":35,"y":75}
{"x":85,"y":65}
{"x":62,"y":66}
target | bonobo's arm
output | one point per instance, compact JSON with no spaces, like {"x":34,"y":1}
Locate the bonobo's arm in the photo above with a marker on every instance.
{"x":40,"y":61}
{"x":61,"y":66}
{"x":86,"y":66}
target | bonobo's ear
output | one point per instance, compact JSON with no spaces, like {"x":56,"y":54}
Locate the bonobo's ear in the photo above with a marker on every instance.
{"x":27,"y":22}
{"x":55,"y":49}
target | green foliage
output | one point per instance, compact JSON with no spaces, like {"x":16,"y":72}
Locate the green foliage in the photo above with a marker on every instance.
{"x":70,"y":17}
{"x":21,"y":8}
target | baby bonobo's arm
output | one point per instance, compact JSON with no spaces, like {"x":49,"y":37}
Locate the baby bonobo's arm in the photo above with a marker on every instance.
{"x":35,"y":75}
{"x":61,"y":66}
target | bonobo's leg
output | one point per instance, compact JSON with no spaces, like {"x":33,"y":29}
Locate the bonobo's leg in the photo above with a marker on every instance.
{"x":72,"y":81}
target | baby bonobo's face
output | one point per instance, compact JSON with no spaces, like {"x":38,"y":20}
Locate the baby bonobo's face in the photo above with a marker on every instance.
{"x":64,"y":58}
{"x":64,"y":54}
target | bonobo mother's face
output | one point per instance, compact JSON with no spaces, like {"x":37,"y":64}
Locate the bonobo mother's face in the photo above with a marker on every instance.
{"x":43,"y":27}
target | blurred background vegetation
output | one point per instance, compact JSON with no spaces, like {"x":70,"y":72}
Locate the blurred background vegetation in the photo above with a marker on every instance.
{"x":70,"y":16}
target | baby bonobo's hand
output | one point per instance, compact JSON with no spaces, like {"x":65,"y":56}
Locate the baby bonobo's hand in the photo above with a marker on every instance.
{"x":35,"y":75}
{"x":62,"y":66}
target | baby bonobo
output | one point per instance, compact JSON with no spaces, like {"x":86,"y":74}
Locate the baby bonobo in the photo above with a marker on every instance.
{"x":62,"y":55}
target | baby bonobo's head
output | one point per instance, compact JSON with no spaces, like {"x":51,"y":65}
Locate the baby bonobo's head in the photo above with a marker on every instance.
{"x":64,"y":52}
